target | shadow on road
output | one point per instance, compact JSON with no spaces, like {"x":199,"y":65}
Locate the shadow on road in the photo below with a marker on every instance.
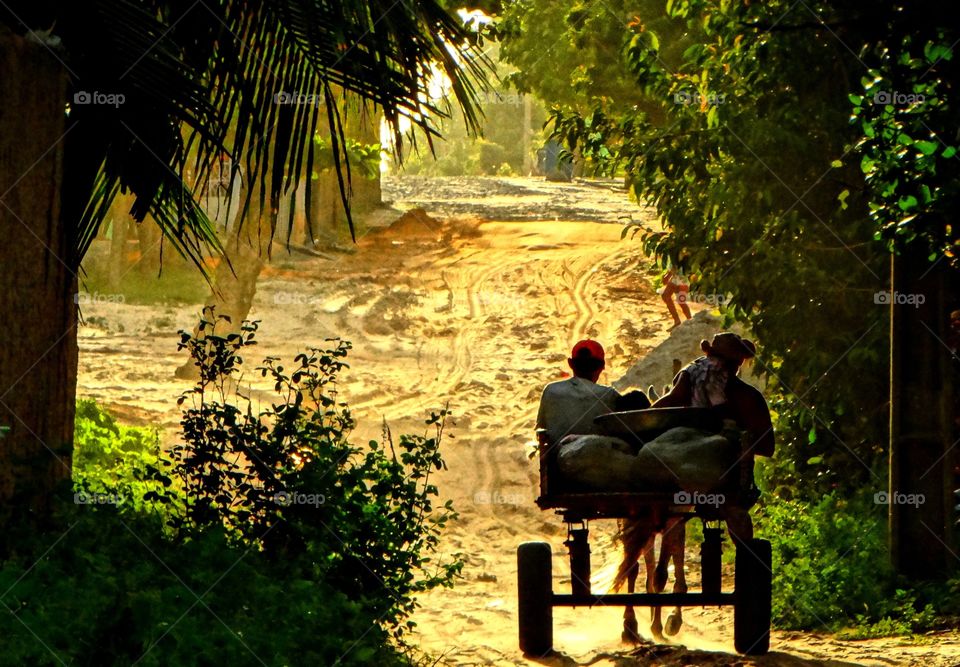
{"x":669,"y":656}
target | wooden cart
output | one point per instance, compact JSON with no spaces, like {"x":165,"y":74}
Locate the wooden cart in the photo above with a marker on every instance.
{"x":751,"y":597}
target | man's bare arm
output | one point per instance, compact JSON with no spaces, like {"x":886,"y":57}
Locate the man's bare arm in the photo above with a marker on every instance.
{"x":679,"y":396}
{"x":756,"y":417}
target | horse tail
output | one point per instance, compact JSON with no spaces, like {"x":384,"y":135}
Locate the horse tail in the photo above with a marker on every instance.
{"x":634,"y":535}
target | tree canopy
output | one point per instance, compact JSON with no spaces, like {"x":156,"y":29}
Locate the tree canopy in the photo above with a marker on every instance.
{"x":797,"y":139}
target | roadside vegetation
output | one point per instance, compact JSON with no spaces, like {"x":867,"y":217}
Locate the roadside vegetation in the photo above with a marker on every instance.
{"x":250,"y":541}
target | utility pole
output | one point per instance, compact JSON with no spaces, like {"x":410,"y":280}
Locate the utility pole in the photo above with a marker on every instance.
{"x":527,"y":136}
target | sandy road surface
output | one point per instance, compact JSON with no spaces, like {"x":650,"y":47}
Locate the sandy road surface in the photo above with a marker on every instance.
{"x":478,"y":310}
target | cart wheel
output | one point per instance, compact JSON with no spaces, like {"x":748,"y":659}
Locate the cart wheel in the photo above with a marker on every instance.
{"x":753,"y":587}
{"x":535,"y":590}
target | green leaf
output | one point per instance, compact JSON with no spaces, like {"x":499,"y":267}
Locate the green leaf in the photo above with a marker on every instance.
{"x":712,"y":120}
{"x":949,"y":152}
{"x":815,"y":460}
{"x":812,"y":435}
{"x":927,"y":147}
{"x":842,"y":198}
{"x":907,"y":203}
{"x":934,"y":52}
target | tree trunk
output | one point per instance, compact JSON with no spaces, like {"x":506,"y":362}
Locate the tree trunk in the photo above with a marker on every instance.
{"x":923,"y":453}
{"x":235,"y":282}
{"x":119,"y":264}
{"x":328,"y":217}
{"x":38,"y":351}
{"x":149,"y":238}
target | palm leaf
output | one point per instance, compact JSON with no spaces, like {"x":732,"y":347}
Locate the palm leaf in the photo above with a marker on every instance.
{"x":201,"y":79}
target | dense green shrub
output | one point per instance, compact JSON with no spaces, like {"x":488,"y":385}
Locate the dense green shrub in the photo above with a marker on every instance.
{"x":287,"y":479}
{"x":832,"y":570}
{"x":113,"y":463}
{"x":267,"y":538}
{"x":110,"y":591}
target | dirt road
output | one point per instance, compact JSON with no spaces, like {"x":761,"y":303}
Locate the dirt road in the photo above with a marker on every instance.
{"x":479,"y":307}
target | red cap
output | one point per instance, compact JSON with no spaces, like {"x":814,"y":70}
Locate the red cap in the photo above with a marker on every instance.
{"x":592,"y":347}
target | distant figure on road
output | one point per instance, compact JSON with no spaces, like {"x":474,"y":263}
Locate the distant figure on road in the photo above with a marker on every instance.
{"x":711,"y":381}
{"x":675,"y":284}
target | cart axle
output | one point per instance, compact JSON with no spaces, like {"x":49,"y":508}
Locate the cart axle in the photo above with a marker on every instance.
{"x":644,"y":600}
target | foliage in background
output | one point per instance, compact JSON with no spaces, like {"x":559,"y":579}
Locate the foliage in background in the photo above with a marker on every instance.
{"x":265,"y":531}
{"x":499,"y":150}
{"x":114,"y":463}
{"x":569,"y":53}
{"x":907,"y":114}
{"x":833,"y":572}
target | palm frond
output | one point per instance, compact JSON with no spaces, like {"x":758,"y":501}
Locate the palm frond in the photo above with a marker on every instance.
{"x":199,"y":79}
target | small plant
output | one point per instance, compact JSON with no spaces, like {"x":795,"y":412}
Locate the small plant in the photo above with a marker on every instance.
{"x":287,"y":480}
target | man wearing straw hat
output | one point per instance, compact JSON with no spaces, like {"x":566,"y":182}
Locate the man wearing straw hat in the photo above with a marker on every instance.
{"x":712,"y":381}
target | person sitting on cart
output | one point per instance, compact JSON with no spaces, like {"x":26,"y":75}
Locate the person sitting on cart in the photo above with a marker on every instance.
{"x":568,"y":407}
{"x":712,"y":382}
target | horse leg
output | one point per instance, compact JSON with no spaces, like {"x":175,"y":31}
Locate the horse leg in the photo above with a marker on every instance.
{"x":675,"y":537}
{"x":631,"y":634}
{"x":656,"y":625}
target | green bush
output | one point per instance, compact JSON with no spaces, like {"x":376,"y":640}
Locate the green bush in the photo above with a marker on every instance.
{"x":110,"y":591}
{"x":287,"y":480}
{"x":832,"y":570}
{"x":267,"y":538}
{"x":114,"y":463}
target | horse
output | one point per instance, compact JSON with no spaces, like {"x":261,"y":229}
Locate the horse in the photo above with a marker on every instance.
{"x":639,"y":539}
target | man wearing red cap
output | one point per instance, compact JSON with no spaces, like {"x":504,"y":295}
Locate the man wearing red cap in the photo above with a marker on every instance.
{"x":712,"y":382}
{"x":569,"y":406}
